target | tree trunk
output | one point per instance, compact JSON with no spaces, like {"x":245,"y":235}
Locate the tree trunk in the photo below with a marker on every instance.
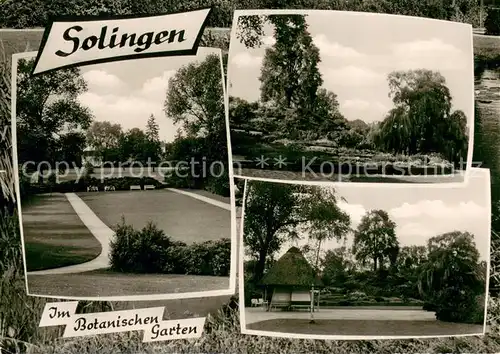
{"x":374,"y":264}
{"x":317,"y":256}
{"x":261,"y":265}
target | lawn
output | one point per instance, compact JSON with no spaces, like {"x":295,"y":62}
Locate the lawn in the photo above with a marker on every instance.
{"x":487,"y":47}
{"x":182,"y":217}
{"x":107,"y":283}
{"x":365,"y":327}
{"x":54,"y":235}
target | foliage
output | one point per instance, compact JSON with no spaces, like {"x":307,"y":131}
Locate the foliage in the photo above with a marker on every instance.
{"x":492,"y":22}
{"x":47,"y":106}
{"x":452,"y":277}
{"x":195,"y":97}
{"x":104,"y":138}
{"x":150,"y":250}
{"x":273,"y":216}
{"x":375,"y":239}
{"x":422,"y":116}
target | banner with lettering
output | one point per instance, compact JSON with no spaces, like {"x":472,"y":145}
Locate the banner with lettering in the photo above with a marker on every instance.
{"x":149,"y":320}
{"x":69,"y":42}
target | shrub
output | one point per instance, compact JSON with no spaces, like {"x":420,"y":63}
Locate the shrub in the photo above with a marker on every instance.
{"x":139,"y":251}
{"x":492,"y":22}
{"x":456,"y":305}
{"x":209,"y":258}
{"x":151,"y":251}
{"x":218,"y":185}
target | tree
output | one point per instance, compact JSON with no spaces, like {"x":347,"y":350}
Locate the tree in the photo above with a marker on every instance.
{"x":47,"y":107}
{"x":71,"y":146}
{"x":104,"y":137}
{"x":274,"y":213}
{"x":133,"y":145}
{"x":492,"y":22}
{"x":453,"y":276}
{"x":195,"y":97}
{"x":375,"y":239}
{"x":336,"y":265}
{"x":327,"y":220}
{"x":153,"y":146}
{"x":422,"y":115}
{"x":291,"y":80}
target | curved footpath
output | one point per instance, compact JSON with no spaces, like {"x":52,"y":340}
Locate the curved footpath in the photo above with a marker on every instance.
{"x":104,"y":233}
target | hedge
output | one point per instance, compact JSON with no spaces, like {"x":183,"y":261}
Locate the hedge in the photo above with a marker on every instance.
{"x":150,"y":250}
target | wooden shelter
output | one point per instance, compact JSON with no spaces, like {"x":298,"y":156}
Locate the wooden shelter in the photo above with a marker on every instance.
{"x":291,"y":282}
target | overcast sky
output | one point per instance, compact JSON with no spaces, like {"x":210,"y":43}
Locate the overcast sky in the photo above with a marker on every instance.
{"x":359,"y":50}
{"x":421,"y":212}
{"x":128,"y":92}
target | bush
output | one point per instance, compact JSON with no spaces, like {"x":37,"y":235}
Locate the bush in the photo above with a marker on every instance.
{"x":209,"y":258}
{"x":151,"y":251}
{"x":142,"y":251}
{"x":492,"y":22}
{"x":456,"y":305}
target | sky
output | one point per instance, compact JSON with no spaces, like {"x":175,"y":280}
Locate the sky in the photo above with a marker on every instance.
{"x":128,"y":92}
{"x":420,"y":212}
{"x":358,"y":51}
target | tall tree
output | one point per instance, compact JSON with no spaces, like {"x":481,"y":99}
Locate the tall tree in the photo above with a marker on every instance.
{"x":71,"y":146}
{"x":47,"y":107}
{"x":276,"y":213}
{"x":327,"y":220}
{"x":336,"y":265}
{"x":290,"y":77}
{"x":195,"y":97}
{"x":104,"y":137}
{"x":422,"y":115}
{"x":453,"y":276}
{"x":133,"y":145}
{"x":153,"y":146}
{"x":152,"y":129}
{"x":375,"y":239}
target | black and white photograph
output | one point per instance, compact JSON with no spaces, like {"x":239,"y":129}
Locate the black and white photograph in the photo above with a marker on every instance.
{"x":350,"y":97}
{"x":361,"y":262}
{"x":123,"y":178}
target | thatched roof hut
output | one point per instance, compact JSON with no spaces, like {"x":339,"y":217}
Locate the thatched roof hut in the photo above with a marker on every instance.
{"x":291,"y":270}
{"x":290,"y":281}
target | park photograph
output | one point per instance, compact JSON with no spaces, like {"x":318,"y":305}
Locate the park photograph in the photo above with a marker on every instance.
{"x":123,"y":181}
{"x":350,"y":97}
{"x":363,"y":262}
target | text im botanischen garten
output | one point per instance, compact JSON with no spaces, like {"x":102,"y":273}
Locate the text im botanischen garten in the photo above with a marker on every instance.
{"x":149,"y":320}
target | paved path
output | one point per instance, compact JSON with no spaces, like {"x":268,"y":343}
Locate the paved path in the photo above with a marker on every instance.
{"x":104,"y":234}
{"x":101,"y":232}
{"x":253,"y":315}
{"x":217,"y":203}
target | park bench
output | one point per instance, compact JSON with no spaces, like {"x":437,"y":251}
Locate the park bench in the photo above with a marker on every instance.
{"x":149,"y":186}
{"x":301,"y":300}
{"x":135,"y":188}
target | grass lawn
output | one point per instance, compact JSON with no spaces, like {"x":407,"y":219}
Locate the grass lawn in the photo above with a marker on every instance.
{"x":54,"y":235}
{"x":108,"y":283}
{"x":182,"y":217}
{"x":365,"y":327}
{"x":487,"y":47}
